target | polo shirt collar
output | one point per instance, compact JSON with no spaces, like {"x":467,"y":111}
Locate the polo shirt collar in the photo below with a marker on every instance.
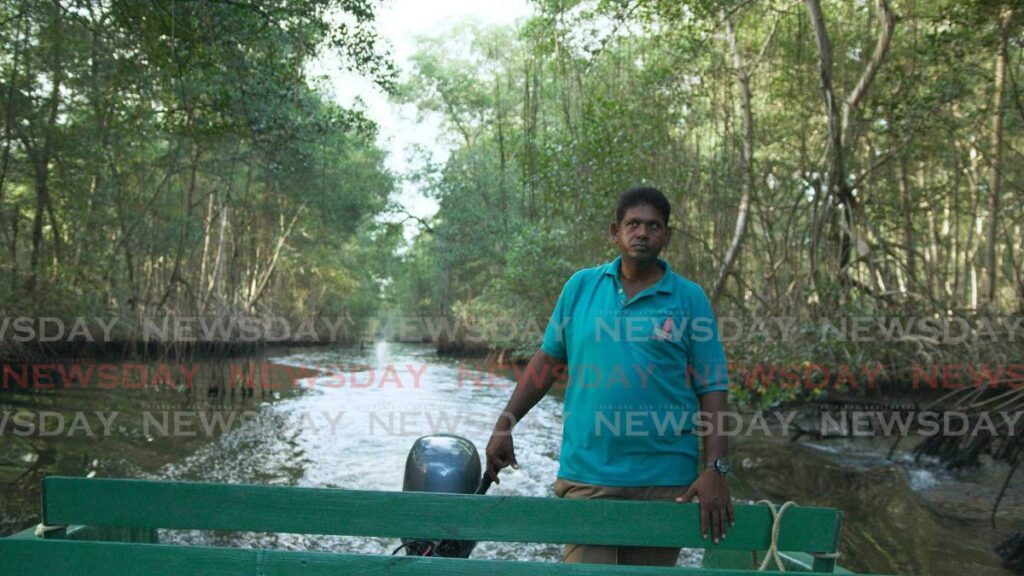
{"x":664,"y":285}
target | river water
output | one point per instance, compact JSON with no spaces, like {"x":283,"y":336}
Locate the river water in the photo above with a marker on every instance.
{"x":353,"y":429}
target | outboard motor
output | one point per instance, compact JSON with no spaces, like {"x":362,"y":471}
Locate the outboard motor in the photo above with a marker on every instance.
{"x":443,"y":463}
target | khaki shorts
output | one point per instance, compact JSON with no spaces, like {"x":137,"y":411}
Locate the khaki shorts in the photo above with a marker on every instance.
{"x":622,"y":555}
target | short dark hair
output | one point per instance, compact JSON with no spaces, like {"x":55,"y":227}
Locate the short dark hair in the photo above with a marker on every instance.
{"x":641,"y":195}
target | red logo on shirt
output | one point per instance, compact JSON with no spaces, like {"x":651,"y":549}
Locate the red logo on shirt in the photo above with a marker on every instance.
{"x":665,"y":332}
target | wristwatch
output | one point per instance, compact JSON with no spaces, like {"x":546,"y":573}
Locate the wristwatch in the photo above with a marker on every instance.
{"x":720,"y":465}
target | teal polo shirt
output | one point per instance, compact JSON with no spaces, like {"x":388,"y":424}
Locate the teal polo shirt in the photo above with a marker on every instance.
{"x":636,"y":370}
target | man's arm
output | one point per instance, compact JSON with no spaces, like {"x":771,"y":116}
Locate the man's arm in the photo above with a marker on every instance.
{"x":708,"y":374}
{"x":540,"y":374}
{"x":711,"y":487}
{"x":716,"y":444}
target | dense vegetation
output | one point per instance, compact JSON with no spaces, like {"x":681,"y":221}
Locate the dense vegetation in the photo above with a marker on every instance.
{"x":174,"y":157}
{"x":825,"y":159}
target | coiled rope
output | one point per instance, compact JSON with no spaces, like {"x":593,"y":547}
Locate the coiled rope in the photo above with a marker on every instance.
{"x":773,"y":547}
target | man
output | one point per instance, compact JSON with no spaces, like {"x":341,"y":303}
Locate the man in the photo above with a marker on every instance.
{"x":644,"y":358}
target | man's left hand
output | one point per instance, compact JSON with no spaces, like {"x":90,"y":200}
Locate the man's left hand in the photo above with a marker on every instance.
{"x":712,"y":489}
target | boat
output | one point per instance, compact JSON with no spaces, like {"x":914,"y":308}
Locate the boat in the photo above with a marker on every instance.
{"x":110,"y":526}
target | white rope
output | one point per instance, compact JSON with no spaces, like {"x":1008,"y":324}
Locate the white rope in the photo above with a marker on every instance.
{"x":773,"y":548}
{"x":42,"y":529}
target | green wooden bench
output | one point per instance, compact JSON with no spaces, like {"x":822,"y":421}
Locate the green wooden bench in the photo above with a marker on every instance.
{"x":81,"y":516}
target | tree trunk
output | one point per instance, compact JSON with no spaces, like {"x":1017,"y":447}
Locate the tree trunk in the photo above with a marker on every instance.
{"x":264,"y":278}
{"x":840,"y":128}
{"x":1017,"y":259}
{"x":954,"y":292}
{"x":215,"y":282}
{"x":43,"y":209}
{"x":5,"y":157}
{"x":833,"y":122}
{"x":996,"y":162}
{"x":747,"y":185}
{"x":970,"y":266}
{"x":201,"y":282}
{"x":176,"y":275}
{"x":888,"y":21}
{"x":40,"y":152}
{"x":908,"y":227}
{"x":15,"y":220}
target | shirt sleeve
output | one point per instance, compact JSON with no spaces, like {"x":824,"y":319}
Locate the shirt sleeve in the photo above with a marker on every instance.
{"x":708,"y":369}
{"x":554,"y":343}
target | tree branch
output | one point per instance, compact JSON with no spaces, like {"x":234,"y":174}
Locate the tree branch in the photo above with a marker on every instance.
{"x":853,"y":101}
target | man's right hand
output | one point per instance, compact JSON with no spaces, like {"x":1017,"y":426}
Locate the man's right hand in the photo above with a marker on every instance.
{"x":500,"y":453}
{"x":535,"y":382}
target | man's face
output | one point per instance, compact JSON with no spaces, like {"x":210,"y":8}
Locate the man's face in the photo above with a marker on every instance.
{"x":642,"y":234}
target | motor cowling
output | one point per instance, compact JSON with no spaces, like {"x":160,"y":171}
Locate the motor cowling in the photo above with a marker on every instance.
{"x":441,"y":463}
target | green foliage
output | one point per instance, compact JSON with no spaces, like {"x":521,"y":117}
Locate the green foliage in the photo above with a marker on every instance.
{"x":172,"y":157}
{"x":551,"y":120}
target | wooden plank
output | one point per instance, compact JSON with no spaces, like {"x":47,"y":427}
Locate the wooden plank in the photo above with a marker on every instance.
{"x":734,"y":559}
{"x":800,"y":562}
{"x":829,"y":564}
{"x":201,"y":506}
{"x":77,"y":558}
